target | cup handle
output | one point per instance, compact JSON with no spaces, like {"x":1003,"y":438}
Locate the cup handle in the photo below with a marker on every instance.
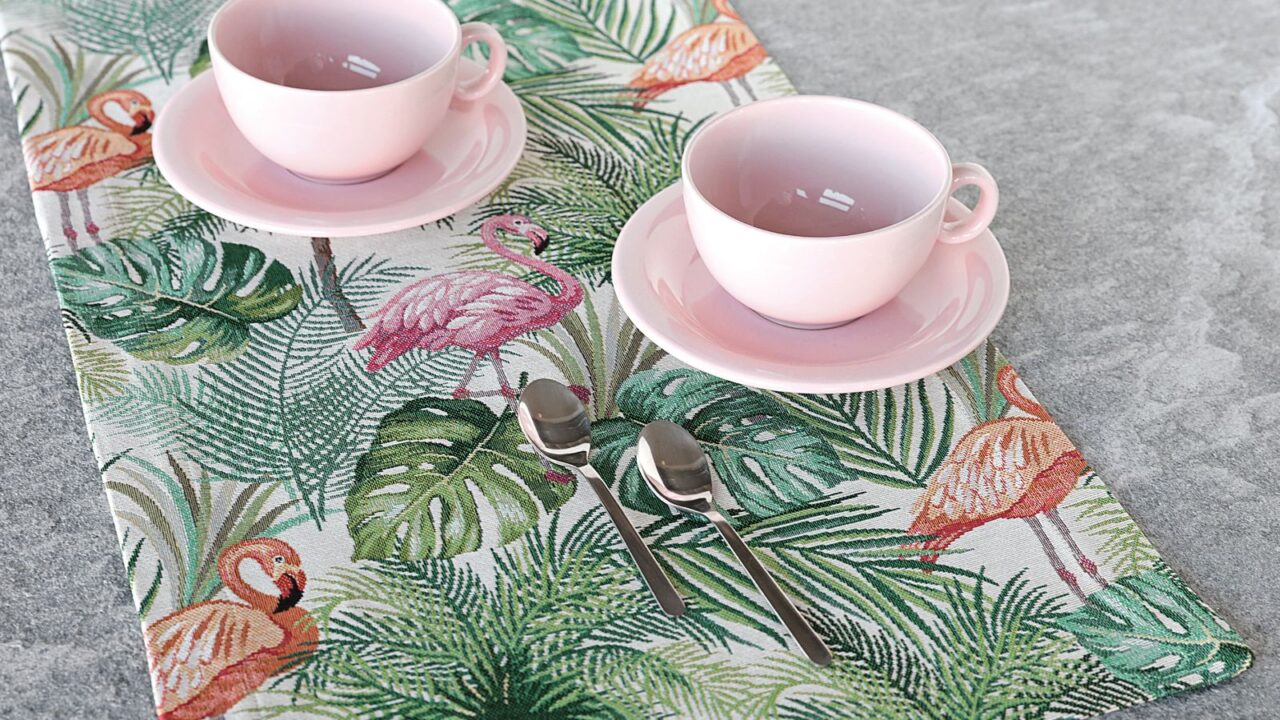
{"x":972,"y":226}
{"x":474,"y":32}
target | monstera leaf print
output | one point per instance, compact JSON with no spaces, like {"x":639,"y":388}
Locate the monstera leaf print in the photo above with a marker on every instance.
{"x":769,"y":460}
{"x":176,"y":300}
{"x":1151,"y":630}
{"x":417,"y":491}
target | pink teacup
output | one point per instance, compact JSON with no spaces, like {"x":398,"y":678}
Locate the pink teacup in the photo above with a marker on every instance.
{"x":342,"y":91}
{"x":814,"y":211}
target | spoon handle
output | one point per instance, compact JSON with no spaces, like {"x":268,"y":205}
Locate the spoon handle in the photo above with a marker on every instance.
{"x":659,"y":584}
{"x":810,"y":643}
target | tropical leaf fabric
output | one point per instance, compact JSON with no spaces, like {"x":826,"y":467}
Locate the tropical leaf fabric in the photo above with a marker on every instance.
{"x":177,"y":302}
{"x":387,"y":518}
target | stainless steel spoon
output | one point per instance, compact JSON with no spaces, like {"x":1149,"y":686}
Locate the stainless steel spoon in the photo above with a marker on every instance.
{"x":676,"y":468}
{"x":555,"y":421}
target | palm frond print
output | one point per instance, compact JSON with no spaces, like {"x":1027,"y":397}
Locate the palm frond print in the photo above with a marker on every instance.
{"x":552,"y":636}
{"x":583,"y":193}
{"x":229,"y":381}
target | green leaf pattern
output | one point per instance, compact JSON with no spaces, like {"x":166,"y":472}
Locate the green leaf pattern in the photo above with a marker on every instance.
{"x":894,"y":437}
{"x":417,"y":491}
{"x":178,"y":300}
{"x":453,"y":574}
{"x":768,"y":460}
{"x":1151,"y":630}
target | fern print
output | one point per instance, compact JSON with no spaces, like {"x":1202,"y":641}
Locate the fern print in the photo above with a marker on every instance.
{"x":894,"y":437}
{"x":100,"y":373}
{"x":147,"y":206}
{"x":156,"y":31}
{"x":1124,"y":549}
{"x":617,"y":31}
{"x":550,"y":637}
{"x":326,"y":508}
{"x":840,"y":542}
{"x":583,"y":193}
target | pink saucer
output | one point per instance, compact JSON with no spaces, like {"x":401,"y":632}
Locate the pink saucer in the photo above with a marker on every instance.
{"x":203,"y":155}
{"x":944,"y":313}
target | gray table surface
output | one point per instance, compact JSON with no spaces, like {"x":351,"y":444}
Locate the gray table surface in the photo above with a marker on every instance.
{"x":1137,"y":147}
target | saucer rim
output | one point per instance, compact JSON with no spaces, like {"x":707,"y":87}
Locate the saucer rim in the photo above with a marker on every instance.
{"x":626,"y":295}
{"x":161,"y":152}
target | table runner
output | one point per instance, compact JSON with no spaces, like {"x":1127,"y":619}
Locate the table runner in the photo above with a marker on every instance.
{"x":407,"y":556}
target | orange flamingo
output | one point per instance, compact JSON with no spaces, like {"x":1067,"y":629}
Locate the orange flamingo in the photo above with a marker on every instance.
{"x":1010,"y":467}
{"x":76,"y":157}
{"x":206,"y":657}
{"x":715,"y":52}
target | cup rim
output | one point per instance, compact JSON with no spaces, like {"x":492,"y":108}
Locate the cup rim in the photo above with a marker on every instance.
{"x":691,"y":186}
{"x":216,"y":55}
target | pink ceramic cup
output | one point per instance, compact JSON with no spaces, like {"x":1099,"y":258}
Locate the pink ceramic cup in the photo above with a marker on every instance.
{"x":342,"y":91}
{"x":814,"y":211}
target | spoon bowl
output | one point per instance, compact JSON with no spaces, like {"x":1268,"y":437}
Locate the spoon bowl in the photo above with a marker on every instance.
{"x":556,"y":423}
{"x":676,"y":469}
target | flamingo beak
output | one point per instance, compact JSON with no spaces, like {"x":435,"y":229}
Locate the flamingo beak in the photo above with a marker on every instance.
{"x":538,"y":237}
{"x":291,"y":582}
{"x":142,"y":121}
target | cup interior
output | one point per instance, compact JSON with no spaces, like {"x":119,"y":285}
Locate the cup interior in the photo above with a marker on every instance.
{"x":334,"y":44}
{"x":817,"y":166}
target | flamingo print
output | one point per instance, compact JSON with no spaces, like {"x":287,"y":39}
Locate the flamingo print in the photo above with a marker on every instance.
{"x":715,"y":52}
{"x":76,"y":157}
{"x":1009,"y":467}
{"x":206,"y":657}
{"x":478,"y":310}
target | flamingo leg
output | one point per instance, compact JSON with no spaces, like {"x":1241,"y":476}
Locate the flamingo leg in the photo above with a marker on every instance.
{"x":507,"y":391}
{"x":462,"y":392}
{"x":746,"y":87}
{"x":733,"y":96}
{"x":69,"y":232}
{"x":1088,"y":565}
{"x":89,"y":225}
{"x":1067,"y":576}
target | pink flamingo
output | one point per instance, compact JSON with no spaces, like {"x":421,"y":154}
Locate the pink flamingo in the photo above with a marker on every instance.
{"x":77,"y":157}
{"x":479,"y":310}
{"x":1009,"y":467}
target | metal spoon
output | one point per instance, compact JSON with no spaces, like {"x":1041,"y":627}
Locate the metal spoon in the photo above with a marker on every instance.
{"x":676,"y":468}
{"x":555,"y":421}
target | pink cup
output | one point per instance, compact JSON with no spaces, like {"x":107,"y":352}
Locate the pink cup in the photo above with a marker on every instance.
{"x":342,"y":91}
{"x":814,"y":211}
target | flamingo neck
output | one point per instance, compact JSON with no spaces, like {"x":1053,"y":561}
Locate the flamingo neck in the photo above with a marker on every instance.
{"x":723,"y":7}
{"x":299,"y":623}
{"x":143,"y":144}
{"x":97,"y":109}
{"x":229,"y":569}
{"x":1007,"y":381}
{"x":570,"y":289}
